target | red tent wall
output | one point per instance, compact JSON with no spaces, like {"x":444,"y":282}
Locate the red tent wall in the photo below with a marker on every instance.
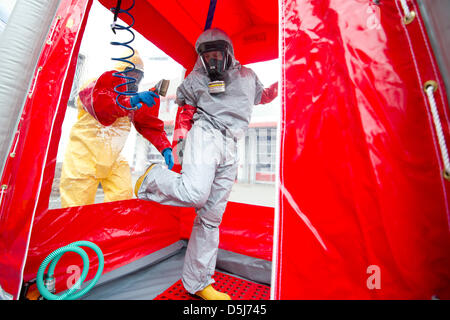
{"x":245,"y":229}
{"x":364,"y":206}
{"x":174,"y":26}
{"x":24,"y":173}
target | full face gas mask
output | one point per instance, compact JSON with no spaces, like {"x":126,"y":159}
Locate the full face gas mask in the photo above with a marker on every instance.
{"x":216,"y":61}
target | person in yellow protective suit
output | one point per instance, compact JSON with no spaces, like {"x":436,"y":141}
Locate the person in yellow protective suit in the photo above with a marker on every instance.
{"x":99,"y":135}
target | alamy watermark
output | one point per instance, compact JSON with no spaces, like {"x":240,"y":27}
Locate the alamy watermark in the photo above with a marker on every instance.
{"x":374,"y":280}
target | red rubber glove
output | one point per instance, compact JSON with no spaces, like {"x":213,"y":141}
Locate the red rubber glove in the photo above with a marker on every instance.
{"x":269,"y":93}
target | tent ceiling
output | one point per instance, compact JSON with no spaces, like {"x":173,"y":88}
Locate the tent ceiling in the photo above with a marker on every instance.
{"x":174,"y":25}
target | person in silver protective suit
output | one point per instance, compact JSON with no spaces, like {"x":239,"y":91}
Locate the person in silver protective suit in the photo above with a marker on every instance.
{"x":223,"y":93}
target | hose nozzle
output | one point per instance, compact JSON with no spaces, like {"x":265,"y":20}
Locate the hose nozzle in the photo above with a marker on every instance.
{"x":162,"y":86}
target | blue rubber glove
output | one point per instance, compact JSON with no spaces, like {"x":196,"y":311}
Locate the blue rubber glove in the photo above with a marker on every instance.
{"x":168,"y":157}
{"x":147,"y":97}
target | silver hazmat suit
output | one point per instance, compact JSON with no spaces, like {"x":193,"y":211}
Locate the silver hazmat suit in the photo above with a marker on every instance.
{"x":210,"y":159}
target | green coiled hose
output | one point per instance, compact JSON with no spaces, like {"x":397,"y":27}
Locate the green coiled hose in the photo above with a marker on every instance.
{"x":54,"y":257}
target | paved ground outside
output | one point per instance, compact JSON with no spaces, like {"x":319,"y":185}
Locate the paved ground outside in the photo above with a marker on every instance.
{"x":256,"y":194}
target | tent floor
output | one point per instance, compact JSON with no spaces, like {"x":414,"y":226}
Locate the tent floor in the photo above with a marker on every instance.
{"x":161,"y":281}
{"x":238,"y":289}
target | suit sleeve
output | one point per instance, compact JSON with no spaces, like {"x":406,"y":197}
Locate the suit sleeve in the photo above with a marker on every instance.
{"x":147,"y":123}
{"x":99,"y":99}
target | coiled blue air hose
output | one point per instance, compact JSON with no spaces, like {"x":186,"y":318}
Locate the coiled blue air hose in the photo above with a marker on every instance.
{"x":122,"y":74}
{"x":54,"y":257}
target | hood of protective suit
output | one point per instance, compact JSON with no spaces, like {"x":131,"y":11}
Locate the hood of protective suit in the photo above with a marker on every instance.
{"x":229,"y":110}
{"x":213,"y":35}
{"x":136,"y":59}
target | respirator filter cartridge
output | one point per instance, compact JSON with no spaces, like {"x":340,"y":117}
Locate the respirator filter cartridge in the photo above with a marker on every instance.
{"x":216,"y":86}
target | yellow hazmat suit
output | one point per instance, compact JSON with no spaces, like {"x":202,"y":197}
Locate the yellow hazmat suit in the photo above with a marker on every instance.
{"x":93,"y":156}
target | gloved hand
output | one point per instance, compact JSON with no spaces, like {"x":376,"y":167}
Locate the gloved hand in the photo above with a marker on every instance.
{"x":168,"y":157}
{"x":269,"y":93}
{"x":274,"y":90}
{"x":147,"y":97}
